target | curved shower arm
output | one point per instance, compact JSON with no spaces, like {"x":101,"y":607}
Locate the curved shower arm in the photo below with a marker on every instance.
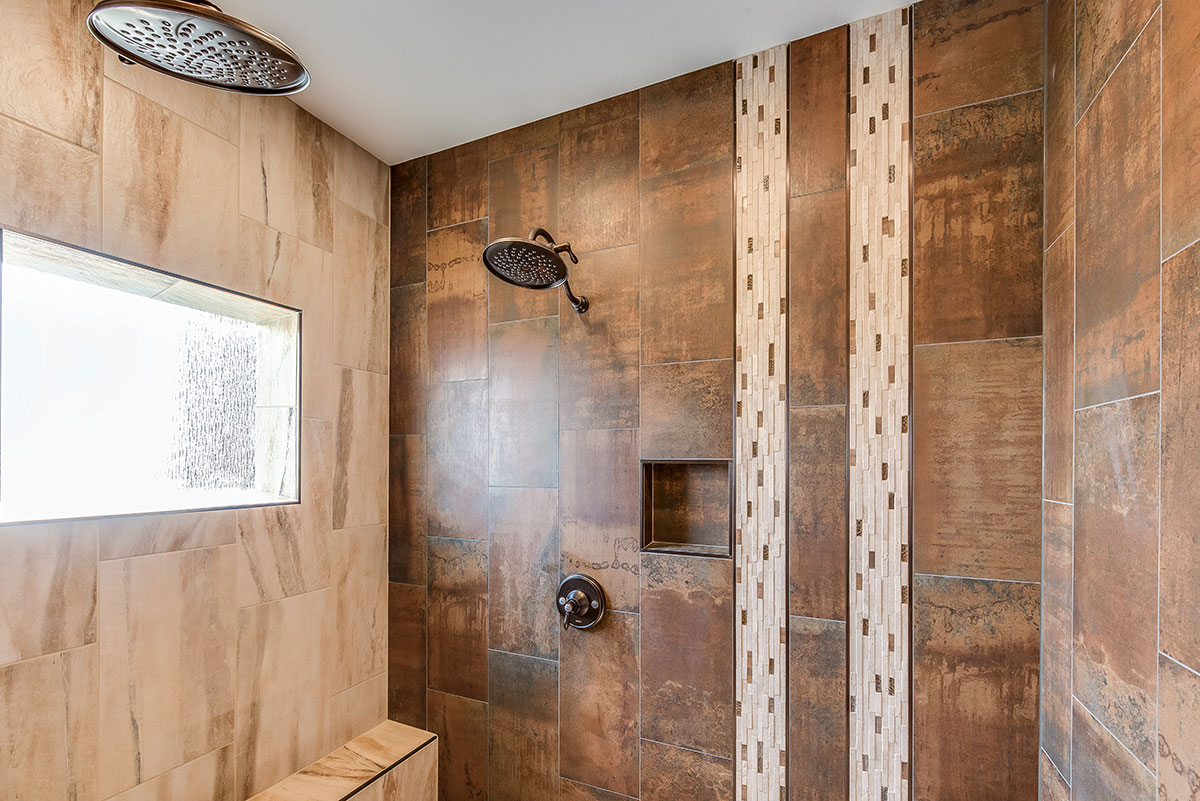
{"x":534,"y":233}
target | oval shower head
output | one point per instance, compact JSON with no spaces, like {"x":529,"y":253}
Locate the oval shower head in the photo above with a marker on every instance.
{"x":194,"y":41}
{"x":531,"y":264}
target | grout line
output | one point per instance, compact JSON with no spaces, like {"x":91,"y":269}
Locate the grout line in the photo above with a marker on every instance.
{"x":977,"y":341}
{"x":1189,"y":244}
{"x":975,"y":578}
{"x":523,"y":656}
{"x":978,"y":103}
{"x":1047,"y":248}
{"x":821,"y":619}
{"x":689,"y":361}
{"x":1186,"y":667}
{"x":1158,"y":556}
{"x":685,"y":748}
{"x":594,"y":787}
{"x":451,"y":225}
{"x":94,"y":644}
{"x":1121,"y":400}
{"x":1058,"y":503}
{"x":1116,"y":739}
{"x":1057,"y":769}
{"x":1117,"y":66}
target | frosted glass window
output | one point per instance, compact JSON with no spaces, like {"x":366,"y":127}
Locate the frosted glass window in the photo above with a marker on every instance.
{"x":127,"y":390}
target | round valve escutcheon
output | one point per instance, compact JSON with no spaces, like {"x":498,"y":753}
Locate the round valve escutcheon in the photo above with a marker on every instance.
{"x":580,"y":601}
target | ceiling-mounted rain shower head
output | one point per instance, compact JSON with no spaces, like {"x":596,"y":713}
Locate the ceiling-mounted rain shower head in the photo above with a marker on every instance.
{"x":531,"y":264}
{"x":194,"y":41}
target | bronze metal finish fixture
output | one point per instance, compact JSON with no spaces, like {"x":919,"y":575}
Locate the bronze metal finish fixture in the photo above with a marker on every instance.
{"x":531,"y":264}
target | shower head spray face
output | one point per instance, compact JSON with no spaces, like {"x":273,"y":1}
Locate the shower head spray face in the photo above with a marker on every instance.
{"x":531,"y":264}
{"x":194,"y":41}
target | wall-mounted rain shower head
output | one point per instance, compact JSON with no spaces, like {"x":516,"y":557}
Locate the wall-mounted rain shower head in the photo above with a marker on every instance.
{"x":194,"y":41}
{"x":531,"y":264}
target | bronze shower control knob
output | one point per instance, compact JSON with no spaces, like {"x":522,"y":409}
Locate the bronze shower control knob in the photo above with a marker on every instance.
{"x":580,"y":602}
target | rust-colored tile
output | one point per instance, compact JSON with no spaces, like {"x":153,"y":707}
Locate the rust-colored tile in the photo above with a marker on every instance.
{"x":1116,"y":232}
{"x":530,"y":136}
{"x":462,"y":729}
{"x":458,"y":600}
{"x":687,"y":410}
{"x":458,"y":180}
{"x":1054,"y":786}
{"x":687,"y":120}
{"x":1060,"y":117}
{"x":598,"y":357}
{"x":975,"y":679}
{"x":409,"y":373}
{"x":1116,"y":567}
{"x":523,"y":194}
{"x":523,"y":564}
{"x":1057,"y":556}
{"x":977,"y":221}
{"x":1181,"y":125}
{"x":522,"y":728}
{"x":407,"y":668}
{"x":574,"y":791}
{"x":457,"y":302}
{"x":817,"y":533}
{"x":687,"y":653}
{"x":670,"y":774}
{"x":818,"y":123}
{"x":1179,"y":576}
{"x":456,"y":453}
{"x":688,"y":504}
{"x":408,"y":222}
{"x":523,"y":396}
{"x":599,"y":745}
{"x":606,"y":110}
{"x":968,"y":51}
{"x":977,"y":431}
{"x":1101,"y":770}
{"x":817,"y":716}
{"x":818,"y":272}
{"x":1058,"y":323}
{"x":1178,"y":736}
{"x":1104,"y":32}
{"x":598,"y":179}
{"x":600,"y":513}
{"x":687,"y":265}
{"x":407,"y":512}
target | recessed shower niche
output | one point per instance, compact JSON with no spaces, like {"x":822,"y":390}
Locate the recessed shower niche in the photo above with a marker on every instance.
{"x":687,"y":506}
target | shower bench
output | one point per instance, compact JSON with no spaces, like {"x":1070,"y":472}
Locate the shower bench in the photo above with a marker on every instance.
{"x":391,"y":762}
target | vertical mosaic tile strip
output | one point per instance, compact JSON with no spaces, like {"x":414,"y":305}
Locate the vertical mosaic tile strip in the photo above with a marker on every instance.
{"x":760,"y":553}
{"x":880,"y":309}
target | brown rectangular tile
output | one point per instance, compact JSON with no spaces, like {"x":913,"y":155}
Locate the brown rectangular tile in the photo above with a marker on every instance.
{"x":975,"y":685}
{"x":817,"y":516}
{"x":687,"y":410}
{"x":409,"y":202}
{"x":530,"y":136}
{"x":522,"y":195}
{"x":600,"y":512}
{"x":574,"y":791}
{"x":1178,"y":738}
{"x":674,"y":773}
{"x":976,"y":459}
{"x":818,"y":121}
{"x":965,"y":53}
{"x":1058,"y":321}
{"x":523,"y":567}
{"x":817,"y":710}
{"x":1179,"y":572}
{"x":359,"y":566}
{"x":598,"y":180}
{"x":687,"y":653}
{"x":522,"y":728}
{"x":1101,"y":770}
{"x":612,"y":108}
{"x":523,"y":403}
{"x":818,"y":273}
{"x":1116,"y":567}
{"x":458,"y":184}
{"x":687,"y":504}
{"x":457,"y":302}
{"x":1104,"y":32}
{"x":462,"y":729}
{"x":360,"y":292}
{"x":1117,"y":232}
{"x":599,"y":745}
{"x":687,"y":120}
{"x":458,"y":601}
{"x":456,"y":452}
{"x":1181,"y":126}
{"x":1060,"y":117}
{"x":1055,"y":679}
{"x":407,"y":510}
{"x":687,"y":264}
{"x":1053,"y":785}
{"x":407,"y":666}
{"x":409,"y":373}
{"x":977,"y":221}
{"x":360,"y":473}
{"x":598,"y":351}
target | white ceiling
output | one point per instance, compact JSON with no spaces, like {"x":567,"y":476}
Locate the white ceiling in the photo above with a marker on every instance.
{"x":405,"y":78}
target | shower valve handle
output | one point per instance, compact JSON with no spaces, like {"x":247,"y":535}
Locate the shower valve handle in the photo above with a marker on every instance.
{"x":565,"y":247}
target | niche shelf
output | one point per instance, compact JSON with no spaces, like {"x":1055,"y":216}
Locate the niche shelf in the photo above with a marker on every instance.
{"x":687,"y":506}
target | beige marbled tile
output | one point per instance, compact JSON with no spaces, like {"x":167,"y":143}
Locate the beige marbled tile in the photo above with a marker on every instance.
{"x":215,"y":111}
{"x":360,"y":622}
{"x":169,"y":190}
{"x":358,"y":709}
{"x":209,"y":777}
{"x":282,"y":688}
{"x":166,"y":632}
{"x":48,"y":727}
{"x":48,"y":187}
{"x":122,"y":537}
{"x":50,"y":68}
{"x":414,"y":779}
{"x":361,"y":180}
{"x":360,"y":469}
{"x":361,"y":294}
{"x":286,"y":175}
{"x":284,"y":550}
{"x":47,"y":588}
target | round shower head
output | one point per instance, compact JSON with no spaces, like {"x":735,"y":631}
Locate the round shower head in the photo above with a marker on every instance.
{"x":524,"y":263}
{"x":194,"y":41}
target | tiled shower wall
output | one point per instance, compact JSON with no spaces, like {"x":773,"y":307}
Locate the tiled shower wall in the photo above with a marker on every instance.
{"x":517,"y":428}
{"x":199,"y":655}
{"x":1121,"y":553}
